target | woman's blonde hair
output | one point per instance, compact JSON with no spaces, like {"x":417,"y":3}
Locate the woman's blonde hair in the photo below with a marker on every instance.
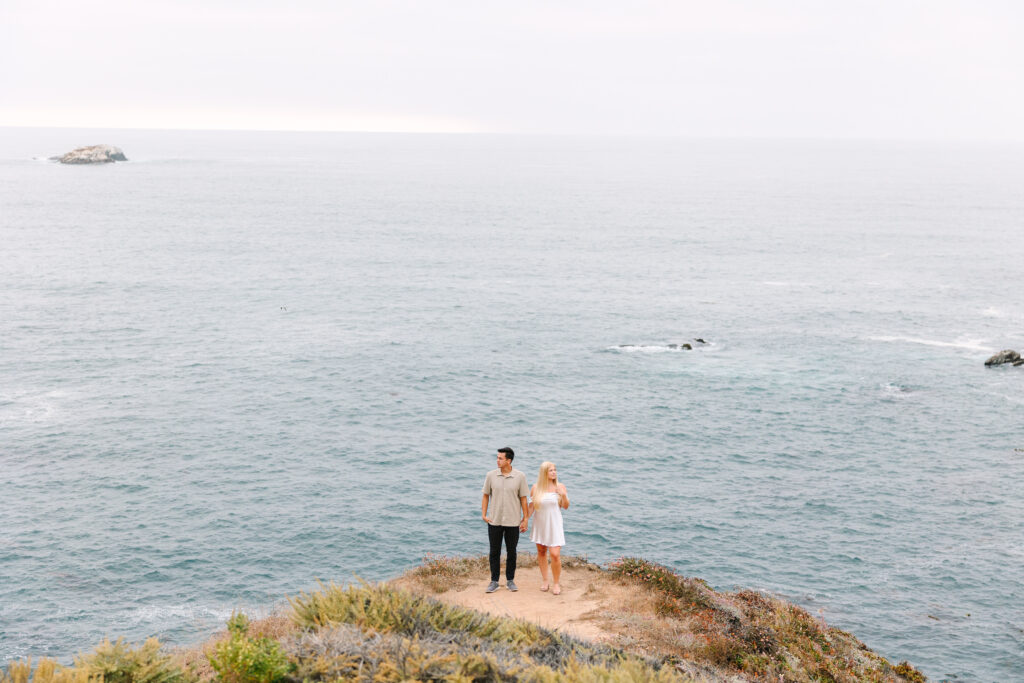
{"x":543,"y":485}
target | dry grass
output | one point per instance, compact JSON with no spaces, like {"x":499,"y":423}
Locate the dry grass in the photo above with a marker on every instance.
{"x":47,"y":671}
{"x":442,"y":573}
{"x":110,"y":662}
{"x":745,"y":632}
{"x":197,"y":658}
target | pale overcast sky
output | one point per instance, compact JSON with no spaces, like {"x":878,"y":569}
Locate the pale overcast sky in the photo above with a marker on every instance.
{"x":807,"y":68}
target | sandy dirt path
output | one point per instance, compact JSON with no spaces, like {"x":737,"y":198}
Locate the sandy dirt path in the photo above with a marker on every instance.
{"x":575,"y":612}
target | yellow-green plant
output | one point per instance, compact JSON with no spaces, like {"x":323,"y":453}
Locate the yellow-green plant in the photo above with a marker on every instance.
{"x":118,"y":662}
{"x":243,"y":659}
{"x":18,"y":671}
{"x":47,"y":671}
{"x":115,"y":662}
{"x":383,"y":609}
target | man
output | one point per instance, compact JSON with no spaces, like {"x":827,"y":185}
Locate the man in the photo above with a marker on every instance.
{"x":505,"y":490}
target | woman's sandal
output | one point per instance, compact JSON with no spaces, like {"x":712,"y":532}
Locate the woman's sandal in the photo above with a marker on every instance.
{"x":543,"y":586}
{"x":557,"y":590}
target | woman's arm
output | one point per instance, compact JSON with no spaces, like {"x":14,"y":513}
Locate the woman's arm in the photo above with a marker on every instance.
{"x":530,"y":508}
{"x":563,"y":496}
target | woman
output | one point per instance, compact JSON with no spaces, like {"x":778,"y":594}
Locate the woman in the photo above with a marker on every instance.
{"x":546,"y":497}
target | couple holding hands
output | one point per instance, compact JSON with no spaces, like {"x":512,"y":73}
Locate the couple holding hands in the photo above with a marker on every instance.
{"x":505,"y":496}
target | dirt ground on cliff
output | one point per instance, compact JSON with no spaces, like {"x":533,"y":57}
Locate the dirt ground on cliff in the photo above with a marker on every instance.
{"x":593,"y":606}
{"x":586,"y":599}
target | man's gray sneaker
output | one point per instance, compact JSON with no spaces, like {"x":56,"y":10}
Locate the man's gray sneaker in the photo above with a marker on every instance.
{"x":492,"y":586}
{"x":511,"y":585}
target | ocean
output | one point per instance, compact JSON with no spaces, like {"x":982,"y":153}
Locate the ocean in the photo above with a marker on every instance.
{"x":241,"y":362}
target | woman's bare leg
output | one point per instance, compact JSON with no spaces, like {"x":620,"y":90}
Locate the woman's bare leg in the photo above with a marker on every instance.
{"x":542,"y":562}
{"x":556,"y":568}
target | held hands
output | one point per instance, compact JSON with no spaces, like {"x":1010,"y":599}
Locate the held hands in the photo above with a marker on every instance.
{"x":522,"y":525}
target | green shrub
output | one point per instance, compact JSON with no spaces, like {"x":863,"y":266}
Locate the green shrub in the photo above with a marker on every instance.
{"x":909,"y":672}
{"x":242,"y":659}
{"x":759,"y":639}
{"x":678,"y":593}
{"x":753,"y":663}
{"x":723,"y":650}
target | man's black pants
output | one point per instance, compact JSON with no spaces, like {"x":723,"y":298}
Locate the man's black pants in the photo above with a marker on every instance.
{"x":511,"y":536}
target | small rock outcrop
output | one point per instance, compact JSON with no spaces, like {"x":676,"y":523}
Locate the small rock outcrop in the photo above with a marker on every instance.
{"x":684,"y":346}
{"x":1005,"y":356}
{"x":94,"y":154}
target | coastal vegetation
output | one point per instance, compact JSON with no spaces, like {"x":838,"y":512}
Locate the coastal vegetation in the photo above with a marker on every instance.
{"x":751,"y":632}
{"x":658,"y":626}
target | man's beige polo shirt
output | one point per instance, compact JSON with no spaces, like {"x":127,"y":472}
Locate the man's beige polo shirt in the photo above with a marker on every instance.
{"x":505,"y":492}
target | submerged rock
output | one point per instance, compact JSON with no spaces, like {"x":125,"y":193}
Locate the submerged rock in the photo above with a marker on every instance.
{"x":94,"y":154}
{"x":1005,"y":356}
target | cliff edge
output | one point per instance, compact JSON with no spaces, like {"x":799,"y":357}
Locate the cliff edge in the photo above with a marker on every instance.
{"x":631,"y":621}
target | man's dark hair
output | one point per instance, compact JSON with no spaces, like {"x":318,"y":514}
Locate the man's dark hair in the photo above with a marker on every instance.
{"x":509,"y":454}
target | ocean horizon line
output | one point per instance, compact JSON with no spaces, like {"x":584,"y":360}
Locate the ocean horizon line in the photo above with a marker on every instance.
{"x":534,"y":134}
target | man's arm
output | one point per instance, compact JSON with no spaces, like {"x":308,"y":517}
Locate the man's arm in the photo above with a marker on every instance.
{"x":483,"y":508}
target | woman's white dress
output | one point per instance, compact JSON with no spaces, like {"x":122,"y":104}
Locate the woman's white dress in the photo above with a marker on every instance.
{"x":547,"y":521}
